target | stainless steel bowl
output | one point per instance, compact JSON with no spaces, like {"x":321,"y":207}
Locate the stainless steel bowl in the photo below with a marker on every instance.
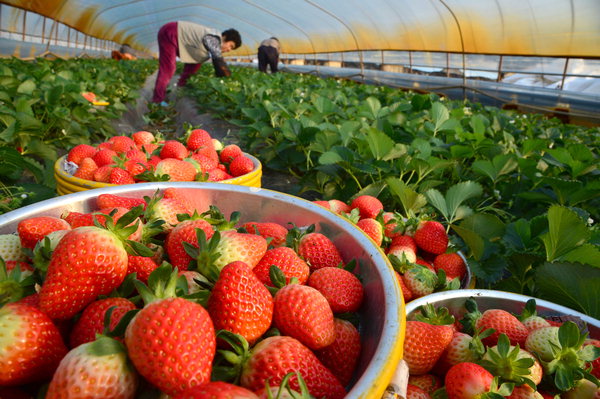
{"x":382,"y":314}
{"x":514,"y":303}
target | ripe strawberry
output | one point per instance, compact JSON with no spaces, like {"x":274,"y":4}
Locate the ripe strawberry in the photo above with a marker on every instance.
{"x":34,"y":229}
{"x":135,"y":167}
{"x":415,"y":392}
{"x":87,"y":262}
{"x":319,"y":251}
{"x":183,"y":196}
{"x":176,"y":169}
{"x":462,"y":348}
{"x":216,"y":390}
{"x":102,"y":174}
{"x":431,"y":236}
{"x":274,"y":357}
{"x":142,"y":137}
{"x":165,"y":209}
{"x":341,"y":357}
{"x":404,"y":254}
{"x":276,"y":232}
{"x":240,"y":166}
{"x":118,"y":201}
{"x":248,"y":248}
{"x":229,"y":153}
{"x":504,"y":323}
{"x":80,"y":152}
{"x":120,"y":176}
{"x":95,"y":370}
{"x":324,"y":204}
{"x":240,"y":303}
{"x":105,"y":157}
{"x":368,"y":206}
{"x":595,"y":365}
{"x":287,"y":261}
{"x":372,"y":228}
{"x":143,"y":266}
{"x":339,"y":207}
{"x":303,"y":313}
{"x":467,"y":381}
{"x":420,"y":280}
{"x":185,"y":232}
{"x":218,"y":175}
{"x":424,"y":344}
{"x":10,"y":248}
{"x":427,"y":382}
{"x":342,"y":289}
{"x":452,"y":264}
{"x":173,"y":149}
{"x":199,"y":138}
{"x":121,"y":144}
{"x":406,"y":292}
{"x":404,"y":240}
{"x":156,"y":335}
{"x":31,"y":345}
{"x":91,"y":321}
{"x":524,"y":392}
{"x":86,"y":169}
{"x":204,"y":164}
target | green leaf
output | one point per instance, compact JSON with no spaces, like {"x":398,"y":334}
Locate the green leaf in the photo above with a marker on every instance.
{"x":439,"y":115}
{"x":451,"y":207}
{"x":27,"y":87}
{"x":566,"y":231}
{"x":586,"y":253}
{"x":330,"y":158}
{"x":411,"y":201}
{"x":379,"y":143}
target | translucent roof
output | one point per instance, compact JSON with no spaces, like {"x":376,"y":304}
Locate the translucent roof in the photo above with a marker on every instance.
{"x":518,"y":27}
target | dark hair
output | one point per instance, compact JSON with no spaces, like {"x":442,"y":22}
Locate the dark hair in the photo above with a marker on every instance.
{"x":232,"y":35}
{"x":273,"y":37}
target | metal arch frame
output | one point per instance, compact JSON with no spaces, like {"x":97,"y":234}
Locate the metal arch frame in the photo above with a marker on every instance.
{"x":462,"y":47}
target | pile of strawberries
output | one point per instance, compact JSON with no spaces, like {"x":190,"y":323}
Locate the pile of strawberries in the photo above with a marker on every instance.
{"x":146,"y":295}
{"x":418,"y":249}
{"x":496,"y":354}
{"x":145,"y":157}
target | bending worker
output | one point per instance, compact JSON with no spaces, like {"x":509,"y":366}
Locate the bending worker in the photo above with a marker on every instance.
{"x":268,"y":54}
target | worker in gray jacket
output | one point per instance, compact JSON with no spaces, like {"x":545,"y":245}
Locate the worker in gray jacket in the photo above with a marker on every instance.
{"x":268,"y":54}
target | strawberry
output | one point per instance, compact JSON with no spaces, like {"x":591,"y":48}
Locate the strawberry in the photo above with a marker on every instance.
{"x":452,"y":264}
{"x":120,"y":176}
{"x":424,"y":344}
{"x":173,"y":149}
{"x":524,"y":392}
{"x":182,"y":196}
{"x":241,"y":165}
{"x":339,"y":207}
{"x":530,"y":318}
{"x":203,"y":163}
{"x":216,"y":390}
{"x":34,"y":229}
{"x":185,"y":232}
{"x":86,"y":169}
{"x":142,"y":137}
{"x":121,"y":144}
{"x":95,"y":370}
{"x":176,"y":169}
{"x":341,"y":357}
{"x":420,"y":280}
{"x":240,"y":303}
{"x":404,"y":254}
{"x":372,"y":228}
{"x":218,"y":175}
{"x":342,"y":289}
{"x":165,"y":209}
{"x":407,"y":294}
{"x":368,"y":206}
{"x":276,"y":232}
{"x":198,"y":138}
{"x":431,"y":236}
{"x":91,"y":321}
{"x":503,"y":323}
{"x":462,"y":348}
{"x":102,"y":174}
{"x":229,"y":152}
{"x":87,"y":262}
{"x":324,"y":204}
{"x":80,"y":152}
{"x":467,"y":381}
{"x":511,"y":363}
{"x":427,"y":382}
{"x":404,"y":241}
{"x":415,"y":392}
{"x":10,"y":248}
{"x":274,"y":357}
{"x":105,"y":157}
{"x":319,"y":251}
{"x":118,"y":201}
{"x":287,"y":261}
{"x":143,"y":266}
{"x":135,"y":167}
{"x":303,"y":312}
{"x":31,"y":345}
{"x":595,"y":365}
{"x":248,"y":248}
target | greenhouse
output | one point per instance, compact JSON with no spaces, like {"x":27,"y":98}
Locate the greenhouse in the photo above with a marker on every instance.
{"x":299,"y":199}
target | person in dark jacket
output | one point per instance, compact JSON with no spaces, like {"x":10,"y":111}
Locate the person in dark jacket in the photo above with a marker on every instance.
{"x":268,"y":54}
{"x":193,"y":44}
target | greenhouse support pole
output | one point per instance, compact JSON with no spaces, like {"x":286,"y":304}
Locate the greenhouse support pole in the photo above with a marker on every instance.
{"x":499,"y":78}
{"x":462,"y":46}
{"x":564,"y":75}
{"x":24,"y":23}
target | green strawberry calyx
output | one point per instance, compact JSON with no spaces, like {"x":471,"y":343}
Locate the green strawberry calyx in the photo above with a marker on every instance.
{"x":508,"y":362}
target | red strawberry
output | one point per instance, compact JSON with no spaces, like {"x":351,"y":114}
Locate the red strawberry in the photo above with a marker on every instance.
{"x":391,"y":228}
{"x":420,"y":280}
{"x":372,"y":228}
{"x":595,"y":365}
{"x":185,"y":232}
{"x":504,"y":323}
{"x":415,"y":392}
{"x":427,"y":382}
{"x":121,"y":144}
{"x":303,"y":312}
{"x":452,"y":264}
{"x":80,"y":152}
{"x":287,"y":261}
{"x":431,"y":236}
{"x":143,"y":266}
{"x":155,"y":338}
{"x":91,"y":321}
{"x":341,"y":357}
{"x":240,"y":303}
{"x":182,"y":196}
{"x":406,"y":292}
{"x":104,"y":157}
{"x":31,"y":345}
{"x":142,"y":137}
{"x":120,"y":176}
{"x":339,"y":207}
{"x":95,"y":370}
{"x":274,"y":357}
{"x":87,"y":262}
{"x":176,"y":169}
{"x":405,"y":241}
{"x":165,"y":209}
{"x":118,"y":201}
{"x":319,"y":251}
{"x":102,"y":174}
{"x":524,"y":392}
{"x":467,"y":381}
{"x":240,"y":166}
{"x":199,"y":138}
{"x":86,"y":169}
{"x":218,"y":175}
{"x":229,"y":152}
{"x":135,"y":167}
{"x":342,"y":289}
{"x":324,"y":204}
{"x":34,"y":229}
{"x":275,"y":231}
{"x":248,"y":248}
{"x":173,"y":149}
{"x":424,"y":344}
{"x":216,"y":390}
{"x":204,"y":164}
{"x":368,"y":206}
{"x":404,"y":254}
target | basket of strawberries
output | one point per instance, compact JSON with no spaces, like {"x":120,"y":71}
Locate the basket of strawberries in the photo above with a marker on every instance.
{"x":146,"y":157}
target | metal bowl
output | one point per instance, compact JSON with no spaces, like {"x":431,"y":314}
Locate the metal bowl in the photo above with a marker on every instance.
{"x":514,"y":303}
{"x":382,"y":314}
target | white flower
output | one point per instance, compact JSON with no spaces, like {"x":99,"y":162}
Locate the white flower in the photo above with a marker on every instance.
{"x":23,"y":196}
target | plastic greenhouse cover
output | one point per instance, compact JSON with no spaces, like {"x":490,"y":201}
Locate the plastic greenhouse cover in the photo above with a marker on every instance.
{"x":518,"y":27}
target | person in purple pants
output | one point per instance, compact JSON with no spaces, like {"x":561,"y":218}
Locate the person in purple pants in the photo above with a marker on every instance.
{"x":193,"y":44}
